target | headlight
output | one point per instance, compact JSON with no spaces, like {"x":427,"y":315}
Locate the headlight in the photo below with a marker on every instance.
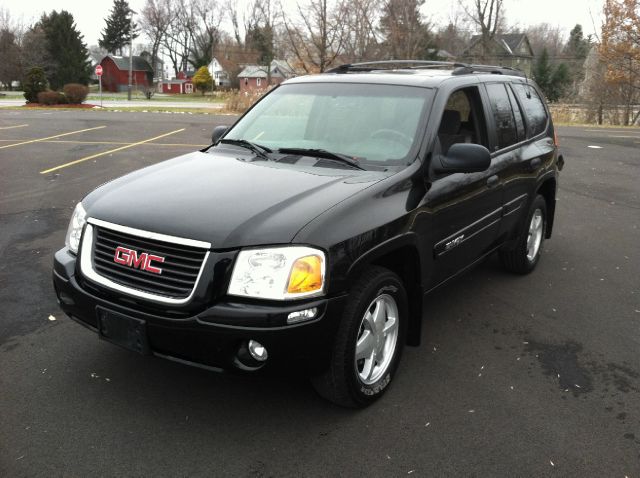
{"x":78,"y":220}
{"x":278,"y":273}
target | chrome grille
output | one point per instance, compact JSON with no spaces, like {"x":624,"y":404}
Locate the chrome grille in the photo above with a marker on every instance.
{"x":180,"y":270}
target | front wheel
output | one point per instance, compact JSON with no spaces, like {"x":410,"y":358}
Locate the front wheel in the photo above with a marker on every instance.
{"x":369,"y":342}
{"x":525,"y":256}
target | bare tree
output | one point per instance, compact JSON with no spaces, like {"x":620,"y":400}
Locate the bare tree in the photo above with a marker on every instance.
{"x":232,"y":8}
{"x":362,"y":41}
{"x":487,"y":16}
{"x":35,"y":52}
{"x":545,"y":35}
{"x":193,"y":33}
{"x":260,"y":26}
{"x":204,"y":28}
{"x":177,"y":37}
{"x":11,"y":36}
{"x":317,"y":38}
{"x":10,"y":68}
{"x":155,"y":21}
{"x":96,"y":53}
{"x":453,"y":37}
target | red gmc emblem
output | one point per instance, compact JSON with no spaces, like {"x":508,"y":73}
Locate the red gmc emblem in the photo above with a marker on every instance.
{"x":142,"y":260}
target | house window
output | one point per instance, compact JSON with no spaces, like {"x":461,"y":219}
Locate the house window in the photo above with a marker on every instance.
{"x":258,"y":81}
{"x":246,"y":81}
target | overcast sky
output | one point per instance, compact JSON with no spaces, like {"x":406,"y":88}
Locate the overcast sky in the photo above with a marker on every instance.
{"x":90,"y":16}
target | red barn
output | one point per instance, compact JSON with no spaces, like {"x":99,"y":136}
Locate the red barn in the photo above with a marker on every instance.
{"x":115,"y":73}
{"x":177,"y":86}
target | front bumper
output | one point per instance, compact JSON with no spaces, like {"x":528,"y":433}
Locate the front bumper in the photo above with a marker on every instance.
{"x":212,"y":337}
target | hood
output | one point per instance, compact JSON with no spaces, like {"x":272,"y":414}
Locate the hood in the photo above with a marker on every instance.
{"x":224,"y":199}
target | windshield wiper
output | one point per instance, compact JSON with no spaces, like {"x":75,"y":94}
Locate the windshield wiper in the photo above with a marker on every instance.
{"x":322,"y":153}
{"x":257,"y":149}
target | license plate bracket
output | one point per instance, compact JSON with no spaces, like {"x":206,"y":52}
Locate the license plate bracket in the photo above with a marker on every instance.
{"x":122,"y":330}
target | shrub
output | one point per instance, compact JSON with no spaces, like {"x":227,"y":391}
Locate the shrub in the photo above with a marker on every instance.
{"x":34,"y":82}
{"x":202,"y":79}
{"x":237,"y":102}
{"x":51,"y":98}
{"x":75,"y":93}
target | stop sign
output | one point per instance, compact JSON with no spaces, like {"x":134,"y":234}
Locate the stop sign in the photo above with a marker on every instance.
{"x":99,"y":70}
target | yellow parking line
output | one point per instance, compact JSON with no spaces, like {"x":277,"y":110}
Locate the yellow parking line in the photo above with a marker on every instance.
{"x":181,"y":144}
{"x":68,"y":141}
{"x":93,"y":156}
{"x":16,"y":126}
{"x":50,"y":137}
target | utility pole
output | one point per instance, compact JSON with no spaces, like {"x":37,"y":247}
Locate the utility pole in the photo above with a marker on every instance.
{"x":130,"y":55}
{"x":130,"y":69}
{"x":213,"y":81}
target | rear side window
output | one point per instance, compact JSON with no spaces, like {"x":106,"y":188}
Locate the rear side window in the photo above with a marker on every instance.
{"x":518,"y":115}
{"x":506,"y":132}
{"x":533,"y":109}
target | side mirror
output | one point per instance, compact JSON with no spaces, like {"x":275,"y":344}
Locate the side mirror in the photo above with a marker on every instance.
{"x":218,"y":132}
{"x":462,"y":158}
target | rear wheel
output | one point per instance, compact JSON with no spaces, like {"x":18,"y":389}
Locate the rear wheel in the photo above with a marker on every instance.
{"x":369,"y":341}
{"x":525,"y":256}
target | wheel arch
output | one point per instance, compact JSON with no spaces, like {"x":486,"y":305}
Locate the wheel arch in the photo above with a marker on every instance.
{"x":401,"y":256}
{"x":548,"y":191}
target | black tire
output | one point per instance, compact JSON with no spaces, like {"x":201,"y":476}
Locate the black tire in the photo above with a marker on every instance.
{"x":517,"y":260}
{"x":342,"y":383}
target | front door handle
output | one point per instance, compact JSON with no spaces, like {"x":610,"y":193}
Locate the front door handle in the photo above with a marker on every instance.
{"x":535,"y":163}
{"x":493,"y":181}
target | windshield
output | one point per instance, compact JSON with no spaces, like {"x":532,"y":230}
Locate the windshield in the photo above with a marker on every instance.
{"x":375,"y":124}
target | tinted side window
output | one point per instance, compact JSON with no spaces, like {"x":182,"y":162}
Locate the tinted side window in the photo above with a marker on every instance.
{"x":533,"y":109}
{"x":518,"y":114}
{"x":506,"y":132}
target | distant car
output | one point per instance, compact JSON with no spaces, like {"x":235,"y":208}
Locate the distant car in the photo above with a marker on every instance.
{"x":310,"y":231}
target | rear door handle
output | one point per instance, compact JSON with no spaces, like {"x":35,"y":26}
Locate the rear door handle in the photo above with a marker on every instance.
{"x":535,"y":163}
{"x":493,"y":181}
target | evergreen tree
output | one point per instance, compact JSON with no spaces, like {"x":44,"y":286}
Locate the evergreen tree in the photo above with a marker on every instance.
{"x":34,"y":82}
{"x":542,"y":71}
{"x":553,"y":80}
{"x":260,"y":39}
{"x":120,"y":29}
{"x":560,"y":79}
{"x":406,"y":34}
{"x":66,"y":49}
{"x":577,"y":46}
{"x":576,"y":51}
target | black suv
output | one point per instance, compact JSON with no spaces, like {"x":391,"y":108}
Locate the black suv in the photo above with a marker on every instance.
{"x":310,"y":231}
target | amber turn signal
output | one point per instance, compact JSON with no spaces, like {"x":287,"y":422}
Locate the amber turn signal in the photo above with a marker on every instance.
{"x":306,"y":275}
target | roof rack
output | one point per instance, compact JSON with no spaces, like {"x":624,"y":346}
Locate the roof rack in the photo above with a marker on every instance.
{"x":458,"y":68}
{"x":493,"y":69}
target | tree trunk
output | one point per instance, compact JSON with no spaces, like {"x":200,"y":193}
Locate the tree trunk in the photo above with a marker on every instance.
{"x":600,"y":114}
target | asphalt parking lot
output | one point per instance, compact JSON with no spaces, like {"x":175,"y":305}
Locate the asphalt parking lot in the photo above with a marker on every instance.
{"x":516,"y":376}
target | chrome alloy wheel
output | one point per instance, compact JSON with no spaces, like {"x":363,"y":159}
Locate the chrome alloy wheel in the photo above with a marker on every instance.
{"x":534,"y":239}
{"x":377,"y":339}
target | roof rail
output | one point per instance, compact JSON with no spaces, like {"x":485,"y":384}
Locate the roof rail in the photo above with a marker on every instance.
{"x":458,"y":68}
{"x":493,"y":69}
{"x":391,"y":65}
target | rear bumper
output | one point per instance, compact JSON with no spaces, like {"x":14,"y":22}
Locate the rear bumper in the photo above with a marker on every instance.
{"x":212,"y":337}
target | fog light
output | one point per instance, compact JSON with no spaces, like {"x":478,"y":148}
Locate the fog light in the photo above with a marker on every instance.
{"x":302,"y":315}
{"x":257,"y":351}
